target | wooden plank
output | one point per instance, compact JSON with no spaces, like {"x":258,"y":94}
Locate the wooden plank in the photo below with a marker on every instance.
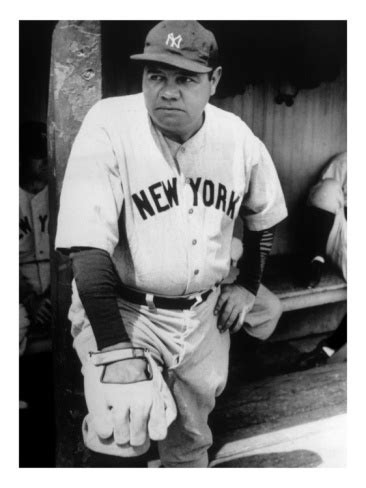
{"x":314,"y":299}
{"x":279,"y":402}
{"x":314,"y":444}
{"x":294,"y":420}
{"x":75,"y":85}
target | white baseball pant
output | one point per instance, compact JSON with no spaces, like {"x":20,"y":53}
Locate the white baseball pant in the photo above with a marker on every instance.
{"x":194,"y":357}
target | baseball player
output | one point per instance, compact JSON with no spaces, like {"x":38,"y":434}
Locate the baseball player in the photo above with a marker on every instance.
{"x":153,"y":186}
{"x":326,"y":229}
{"x":34,"y":264}
{"x":326,"y":220}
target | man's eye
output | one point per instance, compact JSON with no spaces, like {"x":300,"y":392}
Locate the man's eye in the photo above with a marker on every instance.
{"x":186,"y":80}
{"x":155,"y":77}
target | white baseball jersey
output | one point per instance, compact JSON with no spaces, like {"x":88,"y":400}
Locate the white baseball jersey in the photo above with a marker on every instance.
{"x":337,"y":169}
{"x":337,"y":241}
{"x":34,"y":248}
{"x":166,"y":221}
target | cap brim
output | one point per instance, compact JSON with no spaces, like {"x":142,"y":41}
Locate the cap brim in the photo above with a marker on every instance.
{"x":171,"y":60}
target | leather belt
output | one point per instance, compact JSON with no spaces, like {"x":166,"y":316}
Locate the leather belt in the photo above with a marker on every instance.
{"x":155,"y":301}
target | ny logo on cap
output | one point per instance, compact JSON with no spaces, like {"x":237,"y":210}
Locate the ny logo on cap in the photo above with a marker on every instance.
{"x":174,"y":41}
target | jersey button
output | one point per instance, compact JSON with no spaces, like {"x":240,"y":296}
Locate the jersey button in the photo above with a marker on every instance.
{"x":196,"y":271}
{"x":183,"y":149}
{"x":194,"y":242}
{"x":188,"y":181}
{"x":190,"y":211}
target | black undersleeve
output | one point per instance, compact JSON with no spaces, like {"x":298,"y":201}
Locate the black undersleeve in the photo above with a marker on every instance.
{"x":97,"y":281}
{"x":257,"y":246}
{"x":317,"y":226}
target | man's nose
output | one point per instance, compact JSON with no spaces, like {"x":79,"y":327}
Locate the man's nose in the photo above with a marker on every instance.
{"x":170,"y":91}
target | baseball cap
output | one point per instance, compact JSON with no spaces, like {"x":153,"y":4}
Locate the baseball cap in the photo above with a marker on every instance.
{"x":184,"y":44}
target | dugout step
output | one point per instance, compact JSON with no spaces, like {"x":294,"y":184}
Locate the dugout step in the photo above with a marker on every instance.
{"x":272,"y":421}
{"x":251,"y":411}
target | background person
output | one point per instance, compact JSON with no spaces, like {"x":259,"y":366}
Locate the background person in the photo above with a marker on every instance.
{"x":326,"y":235}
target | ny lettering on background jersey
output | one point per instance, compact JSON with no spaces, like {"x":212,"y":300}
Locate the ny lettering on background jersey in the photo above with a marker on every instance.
{"x":25,"y":227}
{"x":161,"y":196}
{"x":43,"y":220}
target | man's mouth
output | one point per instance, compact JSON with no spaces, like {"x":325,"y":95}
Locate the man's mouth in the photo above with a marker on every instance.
{"x":170,"y":109}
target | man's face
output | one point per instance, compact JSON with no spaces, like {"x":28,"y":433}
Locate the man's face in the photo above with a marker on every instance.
{"x":175,"y":99}
{"x":38,"y":169}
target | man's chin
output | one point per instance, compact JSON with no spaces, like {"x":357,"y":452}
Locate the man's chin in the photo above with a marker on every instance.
{"x":167,"y":118}
{"x":169,"y":125}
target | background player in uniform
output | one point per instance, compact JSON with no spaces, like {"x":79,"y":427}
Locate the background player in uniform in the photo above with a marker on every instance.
{"x":326,"y":236}
{"x":326,"y":220}
{"x":153,"y":186}
{"x":34,"y":263}
{"x":35,"y":368}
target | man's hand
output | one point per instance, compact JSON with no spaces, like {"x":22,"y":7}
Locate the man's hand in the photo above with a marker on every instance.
{"x":128,"y":400}
{"x":232,"y":307}
{"x":43,"y":312}
{"x":126,"y":371}
{"x":39,"y":308}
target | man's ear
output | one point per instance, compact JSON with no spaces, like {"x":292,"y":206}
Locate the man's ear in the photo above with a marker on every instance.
{"x":215,"y":78}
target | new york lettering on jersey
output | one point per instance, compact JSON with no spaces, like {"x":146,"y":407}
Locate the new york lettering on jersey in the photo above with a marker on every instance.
{"x":161,"y":196}
{"x":143,"y":181}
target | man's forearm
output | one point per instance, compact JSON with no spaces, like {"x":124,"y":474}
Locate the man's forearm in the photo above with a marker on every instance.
{"x":25,"y":289}
{"x":96,"y":281}
{"x":257,"y":246}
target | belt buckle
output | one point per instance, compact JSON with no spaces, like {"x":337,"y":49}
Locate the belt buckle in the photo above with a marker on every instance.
{"x":198,"y":300}
{"x":150,"y":301}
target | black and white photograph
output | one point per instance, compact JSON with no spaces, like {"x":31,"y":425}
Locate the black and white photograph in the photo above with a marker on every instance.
{"x":182,"y":243}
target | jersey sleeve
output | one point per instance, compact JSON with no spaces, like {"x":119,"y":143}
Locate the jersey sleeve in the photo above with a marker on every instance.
{"x":263,"y":205}
{"x":337,"y":169}
{"x":92,"y":192}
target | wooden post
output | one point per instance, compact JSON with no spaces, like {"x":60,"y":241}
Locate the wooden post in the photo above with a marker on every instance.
{"x":75,"y":85}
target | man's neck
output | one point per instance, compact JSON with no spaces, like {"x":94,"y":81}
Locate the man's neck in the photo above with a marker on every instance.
{"x":34,"y":187}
